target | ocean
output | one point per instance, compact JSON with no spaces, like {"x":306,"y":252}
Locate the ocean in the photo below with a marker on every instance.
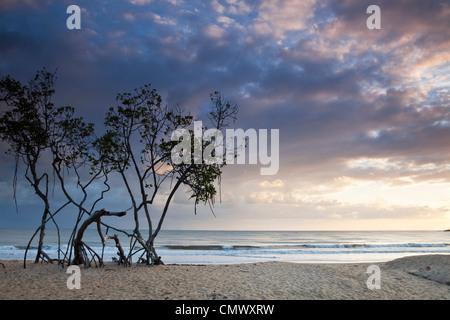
{"x":227,"y":247}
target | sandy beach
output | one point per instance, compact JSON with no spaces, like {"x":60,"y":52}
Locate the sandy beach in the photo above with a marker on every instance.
{"x":418,"y":277}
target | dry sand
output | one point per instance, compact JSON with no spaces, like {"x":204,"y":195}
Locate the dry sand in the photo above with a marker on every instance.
{"x":418,"y":277}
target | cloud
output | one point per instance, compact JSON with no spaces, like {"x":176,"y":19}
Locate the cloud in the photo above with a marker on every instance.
{"x":357,"y":109}
{"x":214,"y":31}
{"x":165,"y":21}
{"x":276,"y":183}
{"x":8,"y":5}
{"x":277,"y":18}
{"x":140,"y":2}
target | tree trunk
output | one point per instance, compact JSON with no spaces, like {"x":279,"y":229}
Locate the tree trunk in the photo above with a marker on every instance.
{"x":78,"y":241}
{"x":122,"y":258}
{"x":157,"y":259}
{"x":42,"y":233}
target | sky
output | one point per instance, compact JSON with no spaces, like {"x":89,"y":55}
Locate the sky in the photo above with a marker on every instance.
{"x":363,"y":114}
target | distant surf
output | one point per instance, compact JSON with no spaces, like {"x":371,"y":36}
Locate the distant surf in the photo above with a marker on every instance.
{"x":206,"y":247}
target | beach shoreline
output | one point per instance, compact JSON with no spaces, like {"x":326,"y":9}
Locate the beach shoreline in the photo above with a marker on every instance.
{"x":425,"y":277}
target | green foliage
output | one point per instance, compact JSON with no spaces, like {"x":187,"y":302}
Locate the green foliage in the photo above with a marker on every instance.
{"x":32,"y":124}
{"x":26,"y":122}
